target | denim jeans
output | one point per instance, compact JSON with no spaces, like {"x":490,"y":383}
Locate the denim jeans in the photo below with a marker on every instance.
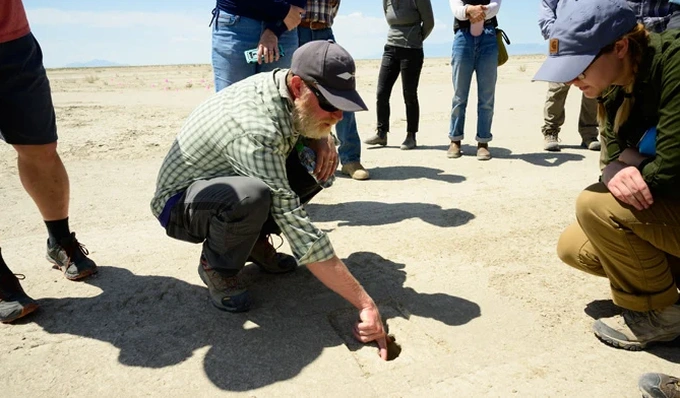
{"x":408,"y":62}
{"x":479,"y":55}
{"x":232,"y":35}
{"x":350,"y":145}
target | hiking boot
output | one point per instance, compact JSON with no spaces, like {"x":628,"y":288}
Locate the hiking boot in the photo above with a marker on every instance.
{"x":355,"y":170}
{"x":379,"y":138}
{"x":264,"y":255}
{"x":226,"y":292}
{"x":454,"y":150}
{"x":409,"y":142}
{"x":14,"y":303}
{"x":593,"y":145}
{"x":70,"y":257}
{"x":550,"y":141}
{"x":658,"y":385}
{"x":483,"y":151}
{"x":634,"y":330}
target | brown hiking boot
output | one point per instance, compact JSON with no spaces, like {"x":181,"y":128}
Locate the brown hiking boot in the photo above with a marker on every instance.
{"x":264,"y":255}
{"x":454,"y":150}
{"x":227,"y":293}
{"x":483,"y":151}
{"x":355,"y":170}
{"x":633,"y":330}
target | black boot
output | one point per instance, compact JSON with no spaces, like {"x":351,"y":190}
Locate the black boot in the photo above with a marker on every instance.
{"x":409,"y":142}
{"x":380,"y":138}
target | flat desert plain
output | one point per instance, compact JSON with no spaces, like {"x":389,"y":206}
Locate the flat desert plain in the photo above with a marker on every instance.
{"x":459,"y":254}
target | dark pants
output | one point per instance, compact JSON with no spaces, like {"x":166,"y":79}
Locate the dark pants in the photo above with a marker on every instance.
{"x":229,"y":214}
{"x":408,"y":62}
{"x":26,"y":110}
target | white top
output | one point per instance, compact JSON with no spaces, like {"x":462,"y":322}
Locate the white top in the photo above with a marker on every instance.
{"x":458,"y":9}
{"x":477,"y":28}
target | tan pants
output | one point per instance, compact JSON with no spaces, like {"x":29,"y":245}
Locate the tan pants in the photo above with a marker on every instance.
{"x":554,"y":116}
{"x":638,"y":251}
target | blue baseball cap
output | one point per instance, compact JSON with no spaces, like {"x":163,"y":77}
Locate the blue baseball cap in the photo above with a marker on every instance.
{"x":582,"y":28}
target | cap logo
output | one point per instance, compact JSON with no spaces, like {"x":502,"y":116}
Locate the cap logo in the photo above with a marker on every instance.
{"x":554,"y":46}
{"x":346,"y":75}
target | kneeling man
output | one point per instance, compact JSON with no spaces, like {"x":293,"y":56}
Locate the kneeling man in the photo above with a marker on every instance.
{"x":234,"y":176}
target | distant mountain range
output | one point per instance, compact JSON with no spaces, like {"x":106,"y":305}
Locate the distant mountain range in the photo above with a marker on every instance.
{"x":95,"y":63}
{"x":437,"y":50}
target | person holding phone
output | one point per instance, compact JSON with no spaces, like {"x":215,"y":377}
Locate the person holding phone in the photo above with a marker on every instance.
{"x":317,"y":25}
{"x":627,"y":225}
{"x":239,"y":26}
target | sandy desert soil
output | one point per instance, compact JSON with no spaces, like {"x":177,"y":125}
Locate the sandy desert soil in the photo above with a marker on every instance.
{"x":459,"y":254}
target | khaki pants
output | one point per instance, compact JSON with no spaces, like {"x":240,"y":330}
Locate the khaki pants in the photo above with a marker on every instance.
{"x":638,"y":251}
{"x":553,"y":113}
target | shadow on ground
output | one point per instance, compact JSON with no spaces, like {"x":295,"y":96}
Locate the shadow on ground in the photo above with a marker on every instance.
{"x":401,"y":173}
{"x":159,"y":321}
{"x":379,"y":213}
{"x":670,"y":351}
{"x":545,"y":158}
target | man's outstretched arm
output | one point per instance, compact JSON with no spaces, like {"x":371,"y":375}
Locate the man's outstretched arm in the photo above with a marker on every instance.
{"x":334,"y":274}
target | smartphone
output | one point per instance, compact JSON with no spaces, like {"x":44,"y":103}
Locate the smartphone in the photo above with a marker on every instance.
{"x":251,"y":55}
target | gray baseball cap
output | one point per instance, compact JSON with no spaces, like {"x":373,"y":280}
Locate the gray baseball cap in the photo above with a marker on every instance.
{"x":583,"y":28}
{"x":330,"y":66}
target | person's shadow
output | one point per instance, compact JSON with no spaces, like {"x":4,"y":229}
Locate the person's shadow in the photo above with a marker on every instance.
{"x":544,"y":159}
{"x":400,"y":173}
{"x":159,"y":321}
{"x":669,"y":351}
{"x":378,"y":213}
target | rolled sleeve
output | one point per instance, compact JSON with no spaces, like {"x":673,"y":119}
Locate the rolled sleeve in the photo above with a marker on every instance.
{"x":262,"y":156}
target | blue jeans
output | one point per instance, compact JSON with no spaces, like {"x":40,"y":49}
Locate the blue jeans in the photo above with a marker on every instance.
{"x":350,"y":144}
{"x":232,"y":35}
{"x":480,"y":55}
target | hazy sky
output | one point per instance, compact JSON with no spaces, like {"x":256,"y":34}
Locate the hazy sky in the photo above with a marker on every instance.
{"x":144,"y":32}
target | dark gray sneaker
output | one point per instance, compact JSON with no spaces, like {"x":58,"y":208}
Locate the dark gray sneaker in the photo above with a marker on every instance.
{"x":14,"y":303}
{"x":658,"y":385}
{"x":226,"y":293}
{"x":70,"y":257}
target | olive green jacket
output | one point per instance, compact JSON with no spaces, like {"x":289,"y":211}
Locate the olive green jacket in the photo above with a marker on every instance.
{"x":657,"y":103}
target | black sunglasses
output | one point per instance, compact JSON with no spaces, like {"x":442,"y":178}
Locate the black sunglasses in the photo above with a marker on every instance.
{"x":323,"y":102}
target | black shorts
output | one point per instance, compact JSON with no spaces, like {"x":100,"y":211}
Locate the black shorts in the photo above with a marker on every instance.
{"x":26,"y":110}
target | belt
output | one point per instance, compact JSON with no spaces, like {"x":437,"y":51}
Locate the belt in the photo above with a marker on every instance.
{"x":314,"y":25}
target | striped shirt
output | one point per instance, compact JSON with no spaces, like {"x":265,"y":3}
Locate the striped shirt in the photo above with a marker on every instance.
{"x":321,"y":11}
{"x":654,"y":14}
{"x":245,"y":130}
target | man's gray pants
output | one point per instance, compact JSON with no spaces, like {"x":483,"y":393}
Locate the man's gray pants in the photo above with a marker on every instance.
{"x":226,"y":214}
{"x":229,"y":214}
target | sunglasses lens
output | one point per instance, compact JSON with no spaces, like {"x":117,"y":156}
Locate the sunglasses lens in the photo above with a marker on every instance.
{"x":323,"y":102}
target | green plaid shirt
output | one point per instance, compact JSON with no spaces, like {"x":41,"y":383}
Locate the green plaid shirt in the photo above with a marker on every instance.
{"x":245,"y":130}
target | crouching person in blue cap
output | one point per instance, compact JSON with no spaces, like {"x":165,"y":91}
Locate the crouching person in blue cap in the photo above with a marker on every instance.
{"x":628,"y":225}
{"x":234,"y":175}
